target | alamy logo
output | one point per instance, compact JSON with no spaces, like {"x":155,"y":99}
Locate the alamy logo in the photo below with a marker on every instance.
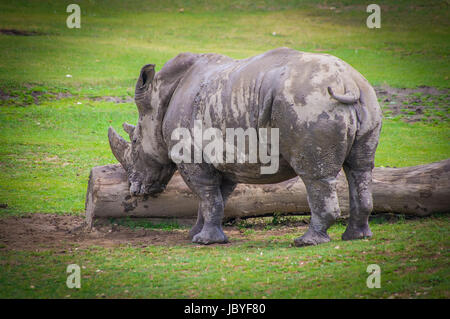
{"x":374,"y":279}
{"x":213,"y":151}
{"x":74,"y":279}
{"x":73,"y":20}
{"x":373,"y":20}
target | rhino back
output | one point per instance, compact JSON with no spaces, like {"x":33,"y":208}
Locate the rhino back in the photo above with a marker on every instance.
{"x":223,"y":92}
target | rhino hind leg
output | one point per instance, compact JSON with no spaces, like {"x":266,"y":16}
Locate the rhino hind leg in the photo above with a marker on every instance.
{"x":360,"y":203}
{"x":323,"y":201}
{"x":358,"y":170}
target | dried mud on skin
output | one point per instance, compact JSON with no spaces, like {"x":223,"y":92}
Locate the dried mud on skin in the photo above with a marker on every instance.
{"x":39,"y":232}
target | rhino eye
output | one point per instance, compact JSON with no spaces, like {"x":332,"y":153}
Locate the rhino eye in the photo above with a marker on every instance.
{"x":134,"y":141}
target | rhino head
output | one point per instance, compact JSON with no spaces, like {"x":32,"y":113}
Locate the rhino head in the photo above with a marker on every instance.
{"x":144,"y":159}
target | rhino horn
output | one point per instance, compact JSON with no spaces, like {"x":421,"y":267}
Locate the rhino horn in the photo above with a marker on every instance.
{"x":120,"y":148}
{"x":129,"y":128}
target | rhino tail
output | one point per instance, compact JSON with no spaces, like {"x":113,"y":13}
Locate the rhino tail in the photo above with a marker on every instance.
{"x":347,"y":98}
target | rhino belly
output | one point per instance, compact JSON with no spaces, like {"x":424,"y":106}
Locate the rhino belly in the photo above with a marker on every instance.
{"x":251,"y":173}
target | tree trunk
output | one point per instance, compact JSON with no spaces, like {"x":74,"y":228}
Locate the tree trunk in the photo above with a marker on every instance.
{"x":418,"y":190}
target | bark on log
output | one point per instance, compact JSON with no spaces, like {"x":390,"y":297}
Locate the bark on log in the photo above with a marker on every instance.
{"x":418,"y":190}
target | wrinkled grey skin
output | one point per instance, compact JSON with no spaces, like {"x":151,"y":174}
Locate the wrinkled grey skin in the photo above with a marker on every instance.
{"x":327,"y":114}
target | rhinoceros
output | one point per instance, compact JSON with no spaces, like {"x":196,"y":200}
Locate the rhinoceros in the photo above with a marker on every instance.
{"x":326,"y":113}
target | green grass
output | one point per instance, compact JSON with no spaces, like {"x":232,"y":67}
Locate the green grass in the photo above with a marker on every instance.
{"x":115,"y":39}
{"x":408,"y":144}
{"x":47,"y":149}
{"x":135,"y":223}
{"x":412,"y":255}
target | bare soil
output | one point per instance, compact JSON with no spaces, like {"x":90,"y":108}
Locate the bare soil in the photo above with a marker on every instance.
{"x":39,"y":232}
{"x":51,"y":231}
{"x":421,"y":103}
{"x":19,"y":32}
{"x":115,"y":99}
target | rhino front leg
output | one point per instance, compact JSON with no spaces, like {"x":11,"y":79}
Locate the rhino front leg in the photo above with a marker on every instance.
{"x":323,"y":201}
{"x":198,"y":224}
{"x":226,"y":188}
{"x":205,"y":181}
{"x":211,"y":207}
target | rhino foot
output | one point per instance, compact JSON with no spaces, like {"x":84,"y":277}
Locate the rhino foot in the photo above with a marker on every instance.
{"x":210,"y":235}
{"x":197,"y":228}
{"x":311,"y":238}
{"x":357,"y":233}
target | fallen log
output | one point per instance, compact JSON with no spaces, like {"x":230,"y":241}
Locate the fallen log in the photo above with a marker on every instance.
{"x":418,"y":190}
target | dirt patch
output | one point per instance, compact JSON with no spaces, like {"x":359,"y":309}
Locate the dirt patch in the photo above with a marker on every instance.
{"x":35,"y":95}
{"x":39,"y":232}
{"x":114,"y":99}
{"x":19,"y":32}
{"x":423,"y":103}
{"x":30,"y":97}
{"x":51,"y":231}
{"x":4,"y":96}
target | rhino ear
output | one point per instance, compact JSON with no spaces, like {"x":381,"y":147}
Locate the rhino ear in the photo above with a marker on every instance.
{"x":143,"y":86}
{"x":147,"y":75}
{"x":129,"y":129}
